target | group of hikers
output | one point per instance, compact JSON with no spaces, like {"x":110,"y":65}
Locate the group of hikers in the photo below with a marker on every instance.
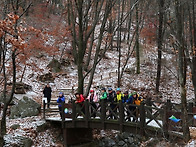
{"x":109,"y":96}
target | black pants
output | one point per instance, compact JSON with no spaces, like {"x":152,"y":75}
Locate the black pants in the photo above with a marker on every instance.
{"x":60,"y":111}
{"x":93,"y":109}
{"x":48,"y":101}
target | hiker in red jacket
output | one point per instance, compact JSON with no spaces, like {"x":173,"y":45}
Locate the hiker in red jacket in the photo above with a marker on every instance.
{"x":80,"y":101}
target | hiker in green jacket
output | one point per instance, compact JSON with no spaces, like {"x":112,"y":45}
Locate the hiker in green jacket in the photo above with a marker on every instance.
{"x":104,"y":95}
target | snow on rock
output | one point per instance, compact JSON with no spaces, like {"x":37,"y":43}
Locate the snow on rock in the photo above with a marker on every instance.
{"x":29,"y":128}
{"x":17,"y":140}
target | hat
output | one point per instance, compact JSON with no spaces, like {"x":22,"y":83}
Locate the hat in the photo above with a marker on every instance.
{"x":126,"y":92}
{"x":60,"y":93}
{"x":109,"y":89}
{"x":118,"y":89}
{"x":91,"y":91}
{"x":134,"y":93}
{"x":103,"y":89}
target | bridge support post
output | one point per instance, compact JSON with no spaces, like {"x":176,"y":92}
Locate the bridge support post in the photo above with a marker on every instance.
{"x":142,"y":119}
{"x":121,"y":115}
{"x":73,"y":113}
{"x":103,"y":113}
{"x":87,"y":114}
{"x":149,"y":103}
{"x":63,"y":115}
{"x":77,"y":135}
{"x":190,"y":114}
{"x":166,"y":108}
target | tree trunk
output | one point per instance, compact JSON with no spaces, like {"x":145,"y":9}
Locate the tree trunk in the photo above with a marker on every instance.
{"x":182,"y":69}
{"x":137,"y":42}
{"x":194,"y":49}
{"x":194,"y":75}
{"x":119,"y":40}
{"x":80,"y":79}
{"x":81,"y":49}
{"x":159,"y":42}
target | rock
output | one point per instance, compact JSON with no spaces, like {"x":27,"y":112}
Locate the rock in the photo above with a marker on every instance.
{"x":121,"y":143}
{"x":125,"y":145}
{"x":26,"y":107}
{"x":136,"y":139}
{"x":130,"y":140}
{"x":55,"y":65}
{"x":125,"y":135}
{"x":15,"y":126}
{"x":46,"y":78}
{"x":119,"y":137}
{"x":13,"y":102}
{"x":65,"y":62}
{"x":17,"y":141}
{"x":21,"y":88}
{"x":41,"y":126}
{"x":109,"y":142}
{"x":101,"y":143}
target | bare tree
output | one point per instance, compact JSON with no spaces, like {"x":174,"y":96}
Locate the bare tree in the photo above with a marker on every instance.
{"x":84,"y":19}
{"x":182,"y":66}
{"x":160,"y":42}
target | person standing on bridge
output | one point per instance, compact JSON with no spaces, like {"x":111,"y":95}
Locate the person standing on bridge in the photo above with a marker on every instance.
{"x":125,"y":96}
{"x":47,"y":93}
{"x":111,"y":99}
{"x":80,"y":101}
{"x":104,"y":95}
{"x":136,"y":99}
{"x":119,"y":95}
{"x":60,"y":101}
{"x":92,"y":98}
{"x":128,"y":98}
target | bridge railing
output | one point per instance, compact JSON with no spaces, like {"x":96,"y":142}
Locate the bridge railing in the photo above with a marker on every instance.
{"x":126,"y":112}
{"x":105,"y":111}
{"x":149,"y":113}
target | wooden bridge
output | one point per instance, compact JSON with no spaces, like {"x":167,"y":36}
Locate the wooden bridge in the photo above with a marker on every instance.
{"x":151,"y":119}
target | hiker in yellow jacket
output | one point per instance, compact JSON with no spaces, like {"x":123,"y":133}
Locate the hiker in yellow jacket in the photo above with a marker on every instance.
{"x":119,"y":95}
{"x":137,"y":99}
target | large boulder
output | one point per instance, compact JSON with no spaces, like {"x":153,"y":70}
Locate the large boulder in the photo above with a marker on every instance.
{"x":17,"y":141}
{"x":41,"y":126}
{"x":13,"y":102}
{"x":21,"y":88}
{"x":65,"y":62}
{"x":46,"y":77}
{"x":55,"y":65}
{"x":26,"y":107}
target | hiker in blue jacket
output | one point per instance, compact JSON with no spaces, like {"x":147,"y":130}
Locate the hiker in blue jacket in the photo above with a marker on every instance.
{"x":131,"y":108}
{"x":60,"y":100}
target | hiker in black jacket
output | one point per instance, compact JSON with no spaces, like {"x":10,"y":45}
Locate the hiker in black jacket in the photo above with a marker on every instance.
{"x":47,"y":93}
{"x":112,"y":100}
